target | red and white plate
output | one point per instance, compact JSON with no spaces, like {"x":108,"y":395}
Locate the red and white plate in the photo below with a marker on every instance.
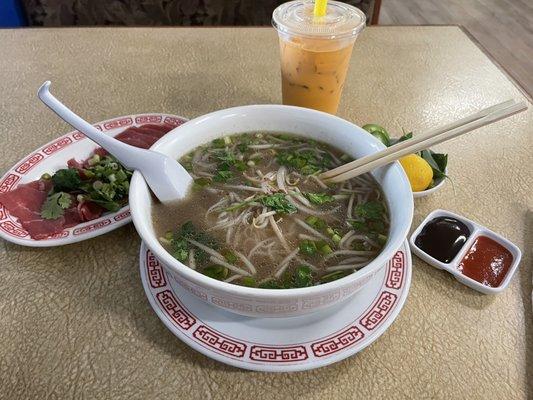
{"x":53,"y":156}
{"x":279,"y":344}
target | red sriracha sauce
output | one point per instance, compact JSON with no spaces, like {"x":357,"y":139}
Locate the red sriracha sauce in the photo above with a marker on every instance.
{"x":486,"y":261}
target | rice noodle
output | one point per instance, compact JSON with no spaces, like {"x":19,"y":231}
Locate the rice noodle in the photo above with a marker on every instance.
{"x":319,"y":181}
{"x":309,"y":229}
{"x":345,"y":238}
{"x":257,"y":246}
{"x":349,"y":253}
{"x":349,"y":241}
{"x":262,"y":146}
{"x":372,"y":242}
{"x":246,"y":262}
{"x":281,"y":178}
{"x":345,"y":267}
{"x":302,"y":261}
{"x":278,"y":233}
{"x":310,"y":211}
{"x":296,"y":179}
{"x":229,"y":266}
{"x":228,"y":235}
{"x":192,"y":262}
{"x":244,"y":187}
{"x":298,"y":196}
{"x":350,"y":206}
{"x":205,"y":248}
{"x":303,"y":236}
{"x":232,"y":278}
{"x":354,"y":260}
{"x":285,"y":263}
{"x":341,"y":196}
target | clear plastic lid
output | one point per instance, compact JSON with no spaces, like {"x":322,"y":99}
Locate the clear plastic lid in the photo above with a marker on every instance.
{"x":296,"y":18}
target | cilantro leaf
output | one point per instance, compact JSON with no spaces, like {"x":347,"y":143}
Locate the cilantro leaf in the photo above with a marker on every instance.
{"x":307,"y":162}
{"x":303,"y":276}
{"x":278,"y":202}
{"x":371,"y":210}
{"x":55,"y":204}
{"x":319,"y":198}
{"x":66,"y":179}
{"x":223,"y":176}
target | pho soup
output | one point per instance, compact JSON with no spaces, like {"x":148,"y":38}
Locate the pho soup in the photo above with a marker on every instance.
{"x":259,"y":216}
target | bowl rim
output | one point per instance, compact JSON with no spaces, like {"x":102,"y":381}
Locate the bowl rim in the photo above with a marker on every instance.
{"x":196,"y":277}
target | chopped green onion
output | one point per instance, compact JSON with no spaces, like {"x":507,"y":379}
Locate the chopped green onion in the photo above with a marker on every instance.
{"x":324,"y":248}
{"x":248,"y":281}
{"x":308,"y":247}
{"x":230,"y":256}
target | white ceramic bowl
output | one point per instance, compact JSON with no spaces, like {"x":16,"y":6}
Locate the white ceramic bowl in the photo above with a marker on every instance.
{"x":275,"y":118}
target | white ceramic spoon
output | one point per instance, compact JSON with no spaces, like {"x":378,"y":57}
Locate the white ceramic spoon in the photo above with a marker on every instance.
{"x":166,"y":177}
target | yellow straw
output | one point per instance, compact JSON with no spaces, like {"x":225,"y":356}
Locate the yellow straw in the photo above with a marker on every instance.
{"x":320,"y":8}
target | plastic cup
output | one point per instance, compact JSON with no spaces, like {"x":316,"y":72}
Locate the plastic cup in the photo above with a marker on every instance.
{"x":315,"y":51}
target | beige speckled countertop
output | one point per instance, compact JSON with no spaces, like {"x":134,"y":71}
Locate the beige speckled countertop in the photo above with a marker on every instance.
{"x":74,"y":321}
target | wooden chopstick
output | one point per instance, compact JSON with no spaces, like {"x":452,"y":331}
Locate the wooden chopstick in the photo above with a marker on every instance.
{"x":419,"y":138}
{"x":395,"y":152}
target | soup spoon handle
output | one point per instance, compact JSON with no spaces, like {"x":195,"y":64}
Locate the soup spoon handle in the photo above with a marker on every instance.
{"x":166,"y":177}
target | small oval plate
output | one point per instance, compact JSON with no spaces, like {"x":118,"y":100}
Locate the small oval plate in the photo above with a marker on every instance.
{"x":53,"y":156}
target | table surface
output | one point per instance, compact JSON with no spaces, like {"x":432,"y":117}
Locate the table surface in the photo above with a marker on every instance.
{"x":74,"y":320}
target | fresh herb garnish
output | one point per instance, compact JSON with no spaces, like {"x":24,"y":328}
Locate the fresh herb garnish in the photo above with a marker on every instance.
{"x":437,"y":162}
{"x":315,"y":222}
{"x":55,"y":205}
{"x":319,"y":198}
{"x":180,"y":247}
{"x":308,"y":247}
{"x":371,"y":210}
{"x":303,"y":277}
{"x":222,"y":176}
{"x":215,"y":271}
{"x":278,"y":202}
{"x":65,"y":180}
{"x":248,"y":281}
{"x":307,"y":162}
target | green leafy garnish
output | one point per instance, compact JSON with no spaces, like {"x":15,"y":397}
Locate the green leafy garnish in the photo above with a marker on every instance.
{"x":307,"y":162}
{"x":66,"y":179}
{"x":303,"y":277}
{"x":218,"y":143}
{"x":278,"y":202}
{"x":371,"y":210}
{"x":216,"y":271}
{"x":315,"y":222}
{"x":270,"y":284}
{"x":308,"y":247}
{"x":437,"y":162}
{"x":222,"y":176}
{"x":180,"y":247}
{"x":248,"y":281}
{"x":55,"y":205}
{"x":323,"y":247}
{"x":230,"y":256}
{"x":319,"y":198}
{"x":202,"y":182}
